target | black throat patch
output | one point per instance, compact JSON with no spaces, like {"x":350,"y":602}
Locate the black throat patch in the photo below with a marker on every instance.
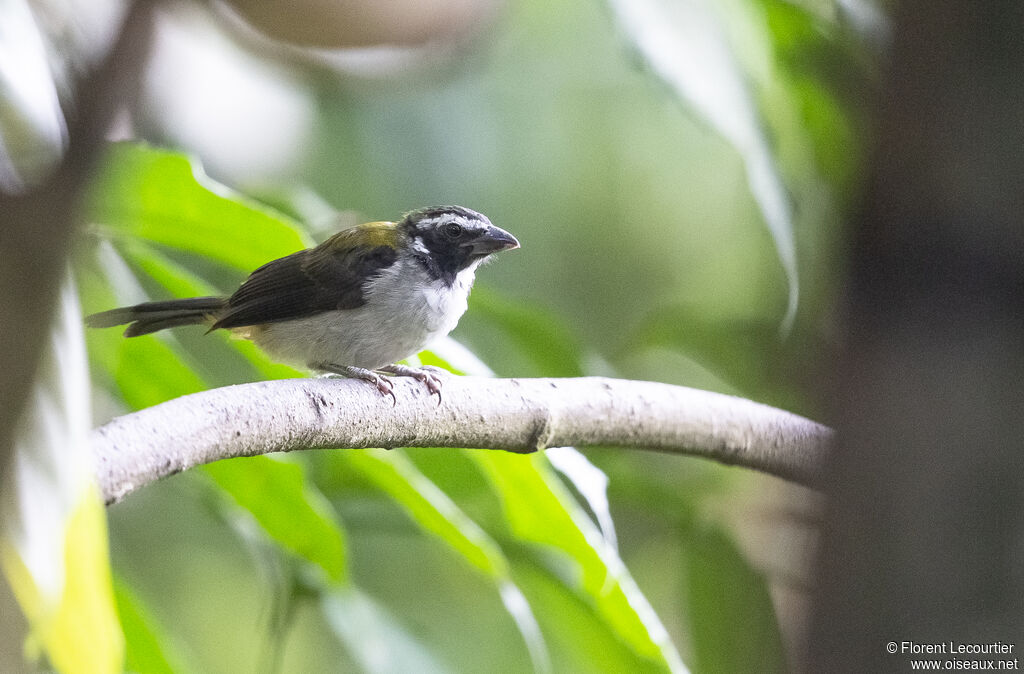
{"x":441,"y":258}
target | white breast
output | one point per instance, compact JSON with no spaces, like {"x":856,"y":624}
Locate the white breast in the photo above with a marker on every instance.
{"x":405,"y":311}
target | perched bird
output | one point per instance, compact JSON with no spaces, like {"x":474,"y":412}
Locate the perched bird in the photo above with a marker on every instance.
{"x":354,"y":305}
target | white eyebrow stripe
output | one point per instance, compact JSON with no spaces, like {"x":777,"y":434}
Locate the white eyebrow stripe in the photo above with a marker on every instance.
{"x":450,"y":217}
{"x":430,"y":221}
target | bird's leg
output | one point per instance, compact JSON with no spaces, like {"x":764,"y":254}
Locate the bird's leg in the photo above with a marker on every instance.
{"x":425,"y":375}
{"x":382,"y":383}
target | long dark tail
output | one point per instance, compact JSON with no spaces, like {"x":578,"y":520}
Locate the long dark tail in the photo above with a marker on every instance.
{"x":152,"y":316}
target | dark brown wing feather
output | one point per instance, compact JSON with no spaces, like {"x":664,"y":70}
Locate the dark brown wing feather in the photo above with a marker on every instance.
{"x":329,"y":277}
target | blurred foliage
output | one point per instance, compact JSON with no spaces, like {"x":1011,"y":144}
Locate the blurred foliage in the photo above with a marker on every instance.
{"x":730,"y":611}
{"x":645,"y":255}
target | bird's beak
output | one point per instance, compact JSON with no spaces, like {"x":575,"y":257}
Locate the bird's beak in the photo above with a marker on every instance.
{"x":492,"y":240}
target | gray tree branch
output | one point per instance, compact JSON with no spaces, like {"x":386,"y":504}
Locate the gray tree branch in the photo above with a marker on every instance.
{"x":520,"y":415}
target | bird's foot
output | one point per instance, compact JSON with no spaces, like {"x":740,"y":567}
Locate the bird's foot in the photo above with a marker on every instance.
{"x":383,"y":384}
{"x":427,"y":375}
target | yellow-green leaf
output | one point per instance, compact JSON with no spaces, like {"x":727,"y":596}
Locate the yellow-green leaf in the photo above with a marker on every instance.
{"x":294,"y":513}
{"x":164,"y":197}
{"x":540,"y":510}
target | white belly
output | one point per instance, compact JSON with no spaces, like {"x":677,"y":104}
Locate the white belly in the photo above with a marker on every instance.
{"x":404,"y":313}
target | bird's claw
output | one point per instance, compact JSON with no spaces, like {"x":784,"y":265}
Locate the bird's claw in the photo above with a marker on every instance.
{"x":428,"y":375}
{"x":385,"y":386}
{"x":432,"y":382}
{"x":425,"y":375}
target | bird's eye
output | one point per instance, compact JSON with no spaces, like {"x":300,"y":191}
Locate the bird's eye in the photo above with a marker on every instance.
{"x":452,"y":230}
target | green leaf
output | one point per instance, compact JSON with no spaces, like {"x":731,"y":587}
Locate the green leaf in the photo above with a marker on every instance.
{"x":437,"y":514}
{"x":746,"y":354}
{"x":147,"y":647}
{"x":180,"y":282}
{"x":429,"y":507}
{"x":543,"y":338}
{"x":165,"y":198}
{"x":539,"y":510}
{"x":144,"y":371}
{"x":590,"y":483}
{"x":580,"y":639}
{"x":278,"y":494}
{"x":177,"y":279}
{"x":688,"y":45}
{"x":374,"y":638}
{"x":731,"y":614}
{"x":809,"y":50}
{"x":131,"y":364}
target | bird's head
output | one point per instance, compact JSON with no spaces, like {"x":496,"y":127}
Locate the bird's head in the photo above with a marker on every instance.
{"x":453,"y":238}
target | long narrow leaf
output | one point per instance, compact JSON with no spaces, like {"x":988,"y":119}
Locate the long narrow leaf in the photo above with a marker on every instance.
{"x":539,"y":510}
{"x":279,"y":495}
{"x":437,"y":514}
{"x":686,"y":45}
{"x":180,"y":282}
{"x":731,"y":613}
{"x":374,"y":638}
{"x":148,"y":648}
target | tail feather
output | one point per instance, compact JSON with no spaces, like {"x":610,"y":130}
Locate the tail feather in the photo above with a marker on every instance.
{"x":152,"y":316}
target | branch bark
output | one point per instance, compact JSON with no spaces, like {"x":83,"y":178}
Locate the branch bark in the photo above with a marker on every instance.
{"x":520,"y":415}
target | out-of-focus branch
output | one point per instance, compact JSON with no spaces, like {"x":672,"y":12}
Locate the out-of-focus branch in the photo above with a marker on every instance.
{"x":520,"y":415}
{"x":37,"y":225}
{"x":924,"y":533}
